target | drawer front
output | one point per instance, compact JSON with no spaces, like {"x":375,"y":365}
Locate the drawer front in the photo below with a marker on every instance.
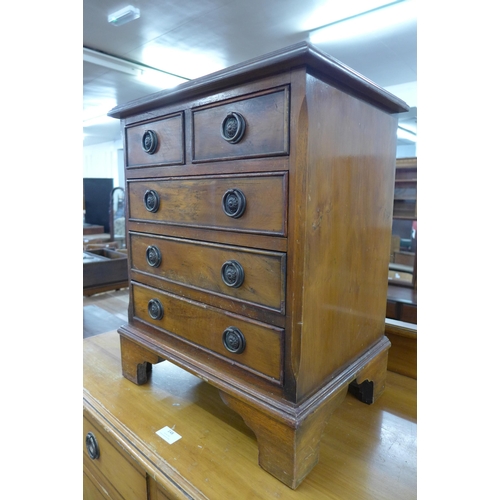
{"x":251,"y":345}
{"x":157,"y":142}
{"x":251,"y":127}
{"x":247,"y":275}
{"x":127,"y":480}
{"x":237,"y":203}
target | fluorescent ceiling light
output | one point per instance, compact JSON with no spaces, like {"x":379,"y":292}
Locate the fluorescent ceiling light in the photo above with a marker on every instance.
{"x":110,"y":62}
{"x":406,"y":134}
{"x":185,"y":60}
{"x":378,"y":19}
{"x":332,"y":11}
{"x":151,"y":76}
{"x":124,"y":15}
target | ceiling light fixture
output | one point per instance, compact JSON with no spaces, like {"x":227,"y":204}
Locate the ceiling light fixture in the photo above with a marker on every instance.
{"x":124,"y":15}
{"x":377,"y":19}
{"x":404,"y":133}
{"x":151,"y":76}
{"x":330,"y":12}
{"x":110,"y":62}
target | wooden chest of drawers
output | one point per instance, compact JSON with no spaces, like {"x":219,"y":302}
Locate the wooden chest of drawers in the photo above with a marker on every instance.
{"x":259,"y":226}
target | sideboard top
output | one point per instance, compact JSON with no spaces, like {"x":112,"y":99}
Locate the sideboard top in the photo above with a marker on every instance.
{"x":292,"y":56}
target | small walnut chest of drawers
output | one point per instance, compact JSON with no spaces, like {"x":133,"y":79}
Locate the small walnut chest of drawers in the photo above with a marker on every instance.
{"x":259,"y":211}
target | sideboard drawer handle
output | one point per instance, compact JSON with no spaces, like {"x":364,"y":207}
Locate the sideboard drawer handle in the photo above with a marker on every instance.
{"x":234,"y":340}
{"x":234,"y":203}
{"x":150,"y":142}
{"x":155,"y":309}
{"x":153,"y":256}
{"x":92,"y":446}
{"x":151,"y":200}
{"x":232,"y":273}
{"x":233,"y":128}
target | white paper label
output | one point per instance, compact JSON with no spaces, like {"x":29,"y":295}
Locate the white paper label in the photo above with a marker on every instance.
{"x":168,"y":434}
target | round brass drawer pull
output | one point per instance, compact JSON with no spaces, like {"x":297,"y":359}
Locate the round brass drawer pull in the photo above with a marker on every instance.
{"x":155,"y":309}
{"x":232,"y":273}
{"x":153,"y":256}
{"x":149,"y":142}
{"x":92,"y":446}
{"x":234,"y":203}
{"x":234,"y":340}
{"x":151,"y":200}
{"x":233,"y":128}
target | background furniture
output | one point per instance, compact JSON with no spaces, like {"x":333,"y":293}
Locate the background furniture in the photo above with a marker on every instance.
{"x":259,"y":203}
{"x":367,"y":452}
{"x":403,"y":261}
{"x":403,"y":352}
{"x":104,"y":269}
{"x":401,"y":309}
{"x":96,"y":193}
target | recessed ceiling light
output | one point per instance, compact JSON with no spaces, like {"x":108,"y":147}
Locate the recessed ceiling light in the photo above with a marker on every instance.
{"x":124,"y":15}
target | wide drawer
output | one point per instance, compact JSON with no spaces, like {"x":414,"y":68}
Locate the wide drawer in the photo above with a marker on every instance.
{"x":252,"y":345}
{"x":156,"y":142}
{"x":128,"y":481}
{"x":249,"y":127}
{"x":247,"y":275}
{"x":250,"y":203}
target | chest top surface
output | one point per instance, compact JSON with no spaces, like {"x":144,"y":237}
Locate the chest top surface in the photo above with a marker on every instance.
{"x":300,"y":54}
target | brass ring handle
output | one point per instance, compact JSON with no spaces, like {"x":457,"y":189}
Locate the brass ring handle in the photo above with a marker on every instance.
{"x":149,"y":142}
{"x":233,"y":340}
{"x":234,"y":203}
{"x":233,"y":127}
{"x":153,"y":256}
{"x":155,"y":309}
{"x":151,"y":200}
{"x":232,"y":273}
{"x":92,"y":446}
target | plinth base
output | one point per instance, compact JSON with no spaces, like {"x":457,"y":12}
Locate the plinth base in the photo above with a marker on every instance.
{"x":288,"y":435}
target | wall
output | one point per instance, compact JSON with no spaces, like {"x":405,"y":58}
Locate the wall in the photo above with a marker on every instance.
{"x":104,"y":161}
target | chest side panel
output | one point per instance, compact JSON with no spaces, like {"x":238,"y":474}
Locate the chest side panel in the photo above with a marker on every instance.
{"x":345,"y":230}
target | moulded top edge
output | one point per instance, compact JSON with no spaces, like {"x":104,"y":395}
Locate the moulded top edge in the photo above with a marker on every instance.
{"x":302,"y":53}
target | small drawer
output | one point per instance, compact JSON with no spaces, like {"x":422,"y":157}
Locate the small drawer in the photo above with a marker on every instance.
{"x":247,"y":275}
{"x":253,"y":346}
{"x":238,"y":203}
{"x":99,"y":453}
{"x":250,"y":127}
{"x":156,"y":142}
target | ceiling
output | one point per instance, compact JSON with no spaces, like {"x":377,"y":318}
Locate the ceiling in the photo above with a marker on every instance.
{"x":192,"y":38}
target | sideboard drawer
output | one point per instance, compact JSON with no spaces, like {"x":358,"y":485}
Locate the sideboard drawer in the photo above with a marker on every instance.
{"x":156,"y":142}
{"x":109,"y":462}
{"x":248,"y":275}
{"x":238,"y":203}
{"x":250,"y":344}
{"x":250,"y":127}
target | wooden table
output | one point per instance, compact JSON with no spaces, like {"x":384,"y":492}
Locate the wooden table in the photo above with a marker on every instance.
{"x":367,"y":451}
